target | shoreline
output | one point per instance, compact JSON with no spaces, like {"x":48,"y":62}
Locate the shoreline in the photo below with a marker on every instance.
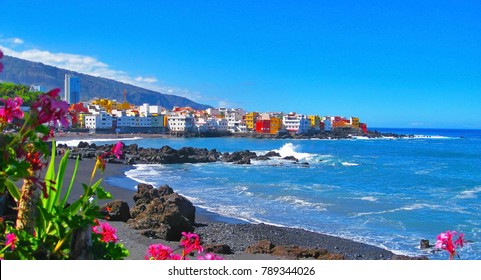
{"x":214,"y":228}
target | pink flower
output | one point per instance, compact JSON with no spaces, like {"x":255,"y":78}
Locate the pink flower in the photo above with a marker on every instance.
{"x":160,"y":252}
{"x":10,"y":239}
{"x":107,"y":232}
{"x":209,"y":257}
{"x":117,"y":149}
{"x":445,"y":242}
{"x":48,"y":108}
{"x":11,"y":110}
{"x":191,"y":242}
{"x":460,"y":241}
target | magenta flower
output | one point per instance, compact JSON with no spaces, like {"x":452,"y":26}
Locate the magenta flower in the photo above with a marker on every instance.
{"x":107,"y":232}
{"x":445,"y":242}
{"x":48,"y":109}
{"x":10,"y":239}
{"x":160,"y":252}
{"x":117,"y":149}
{"x":209,"y":257}
{"x":11,"y":110}
{"x":191,"y":242}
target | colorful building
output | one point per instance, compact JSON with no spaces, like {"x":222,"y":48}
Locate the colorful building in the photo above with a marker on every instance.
{"x":339,"y":122}
{"x":296,"y":123}
{"x":315,"y":122}
{"x":363,"y":127}
{"x":251,"y":120}
{"x":263,"y":126}
{"x":276,"y":125}
{"x":354,"y":121}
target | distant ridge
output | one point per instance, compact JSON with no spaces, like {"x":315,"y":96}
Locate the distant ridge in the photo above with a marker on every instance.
{"x":26,"y":72}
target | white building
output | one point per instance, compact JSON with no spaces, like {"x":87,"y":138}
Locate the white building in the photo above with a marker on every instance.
{"x":180,"y":123}
{"x":237,"y":126}
{"x":72,"y":89}
{"x":149,"y":110}
{"x":101,"y":120}
{"x":37,"y":88}
{"x":297,"y":123}
{"x":213,"y":111}
{"x":233,"y":115}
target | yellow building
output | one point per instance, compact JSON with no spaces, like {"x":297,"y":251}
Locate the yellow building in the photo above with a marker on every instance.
{"x":110,"y":105}
{"x":315,"y":121}
{"x":275,"y":125}
{"x":251,"y":120}
{"x":354,"y":122}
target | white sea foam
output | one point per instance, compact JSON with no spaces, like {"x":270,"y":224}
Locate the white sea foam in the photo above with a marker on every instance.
{"x":302,"y":203}
{"x":74,"y":143}
{"x":369,"y":198}
{"x":411,"y":207}
{"x":142,"y":172}
{"x":345,"y":163}
{"x":290,"y":149}
{"x":469,"y":193}
{"x":243,"y":190}
{"x":432,"y":137}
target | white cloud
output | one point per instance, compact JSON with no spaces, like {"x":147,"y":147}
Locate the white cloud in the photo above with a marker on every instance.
{"x":92,"y":66}
{"x":17,"y":41}
{"x":147,"y":79}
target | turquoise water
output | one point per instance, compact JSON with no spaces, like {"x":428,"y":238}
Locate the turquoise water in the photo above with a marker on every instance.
{"x":386,"y":192}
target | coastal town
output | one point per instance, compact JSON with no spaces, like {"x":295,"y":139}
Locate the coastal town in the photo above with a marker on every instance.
{"x":102,"y":115}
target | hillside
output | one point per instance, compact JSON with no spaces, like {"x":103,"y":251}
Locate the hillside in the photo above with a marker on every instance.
{"x":25,"y":72}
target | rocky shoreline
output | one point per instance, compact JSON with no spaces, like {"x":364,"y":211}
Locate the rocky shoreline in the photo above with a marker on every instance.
{"x":162,"y":214}
{"x":159,"y":215}
{"x":133,"y":154}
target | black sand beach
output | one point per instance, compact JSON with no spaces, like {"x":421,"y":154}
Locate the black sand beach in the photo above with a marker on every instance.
{"x":216,"y":229}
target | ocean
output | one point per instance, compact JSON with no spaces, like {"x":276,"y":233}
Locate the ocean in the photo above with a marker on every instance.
{"x":388,"y":192}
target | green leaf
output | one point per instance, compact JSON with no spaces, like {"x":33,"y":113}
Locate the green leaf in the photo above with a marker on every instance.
{"x":102,"y":194}
{"x":59,"y":180}
{"x":72,"y":181}
{"x":49,"y":176}
{"x":41,"y":223}
{"x":42,"y":129}
{"x":13,"y":190}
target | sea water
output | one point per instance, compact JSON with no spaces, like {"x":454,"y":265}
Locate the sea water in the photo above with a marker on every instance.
{"x":386,"y":192}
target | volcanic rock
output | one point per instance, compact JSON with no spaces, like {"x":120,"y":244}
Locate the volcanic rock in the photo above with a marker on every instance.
{"x":161,"y":213}
{"x":116,"y":210}
{"x":291,"y":252}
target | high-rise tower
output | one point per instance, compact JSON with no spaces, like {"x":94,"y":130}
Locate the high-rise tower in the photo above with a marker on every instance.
{"x":72,"y":89}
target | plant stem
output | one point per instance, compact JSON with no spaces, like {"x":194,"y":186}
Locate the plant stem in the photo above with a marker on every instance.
{"x":27,"y":207}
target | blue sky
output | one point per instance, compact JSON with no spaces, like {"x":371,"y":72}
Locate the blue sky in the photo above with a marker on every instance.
{"x":393,"y":63}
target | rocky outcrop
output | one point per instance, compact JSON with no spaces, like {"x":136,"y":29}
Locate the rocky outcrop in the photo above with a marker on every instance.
{"x":161,"y":213}
{"x":291,"y":252}
{"x":168,"y":155}
{"x":116,"y":210}
{"x":242,"y":157}
{"x":133,"y":154}
{"x":222,"y":249}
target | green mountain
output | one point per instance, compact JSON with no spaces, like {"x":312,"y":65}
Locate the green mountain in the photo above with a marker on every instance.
{"x":20,"y":71}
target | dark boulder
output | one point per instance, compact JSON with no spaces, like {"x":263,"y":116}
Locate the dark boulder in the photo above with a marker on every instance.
{"x":161,"y":213}
{"x":242,"y":157}
{"x":223,"y":249}
{"x":116,"y":210}
{"x":291,"y":158}
{"x":82,"y":145}
{"x":291,"y":252}
{"x":272,"y":154}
